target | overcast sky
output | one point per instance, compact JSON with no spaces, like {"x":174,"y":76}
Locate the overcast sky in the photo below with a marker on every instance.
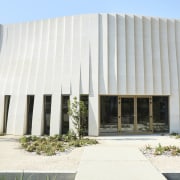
{"x":12,"y":11}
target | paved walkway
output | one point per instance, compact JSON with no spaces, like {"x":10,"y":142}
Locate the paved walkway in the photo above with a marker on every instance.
{"x":115,"y":162}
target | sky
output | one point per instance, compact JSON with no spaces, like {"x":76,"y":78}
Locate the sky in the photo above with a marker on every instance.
{"x":12,"y":11}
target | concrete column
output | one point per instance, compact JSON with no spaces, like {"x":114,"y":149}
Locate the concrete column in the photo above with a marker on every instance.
{"x":174,"y":113}
{"x":21,"y":115}
{"x":93,"y":115}
{"x":174,"y":86}
{"x":56,"y":120}
{"x":38,"y":121}
{"x":12,"y":114}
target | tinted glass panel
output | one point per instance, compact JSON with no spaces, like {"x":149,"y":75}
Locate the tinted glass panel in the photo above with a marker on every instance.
{"x":109,"y":112}
{"x":160,"y":114}
{"x":65,"y":116}
{"x":127,"y":114}
{"x":6,"y":110}
{"x":47,"y":114}
{"x":30,"y":104}
{"x":143,"y":123}
{"x":84,"y":122}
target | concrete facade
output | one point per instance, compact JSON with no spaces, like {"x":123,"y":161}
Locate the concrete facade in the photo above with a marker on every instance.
{"x":98,"y":54}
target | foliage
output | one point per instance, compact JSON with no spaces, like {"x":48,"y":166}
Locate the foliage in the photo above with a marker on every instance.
{"x":52,"y":145}
{"x":78,"y":112}
{"x":161,"y":150}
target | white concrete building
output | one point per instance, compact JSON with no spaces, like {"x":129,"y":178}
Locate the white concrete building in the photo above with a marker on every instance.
{"x":126,"y":68}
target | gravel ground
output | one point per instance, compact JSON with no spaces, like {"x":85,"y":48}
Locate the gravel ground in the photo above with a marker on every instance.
{"x":13,"y":157}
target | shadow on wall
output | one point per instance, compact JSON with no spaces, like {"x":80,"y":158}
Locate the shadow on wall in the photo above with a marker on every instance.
{"x":1,"y":36}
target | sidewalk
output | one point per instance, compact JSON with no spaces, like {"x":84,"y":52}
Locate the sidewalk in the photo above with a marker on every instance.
{"x":115,"y":162}
{"x":113,"y":156}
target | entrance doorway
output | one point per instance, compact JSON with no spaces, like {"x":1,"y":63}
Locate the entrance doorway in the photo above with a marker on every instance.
{"x":126,"y":115}
{"x":109,"y":112}
{"x":134,"y":114}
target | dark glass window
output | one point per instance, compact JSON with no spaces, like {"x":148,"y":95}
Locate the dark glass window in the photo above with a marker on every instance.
{"x":84,"y":122}
{"x":65,"y":116}
{"x":109,"y":109}
{"x":30,"y":105}
{"x":6,"y":110}
{"x":47,"y":114}
{"x":160,"y":114}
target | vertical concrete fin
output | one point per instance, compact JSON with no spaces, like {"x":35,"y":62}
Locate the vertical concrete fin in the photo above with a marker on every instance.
{"x":156,"y":59}
{"x":42,"y":61}
{"x":122,"y":65}
{"x":50,"y":57}
{"x":55,"y":122}
{"x":139,"y":54}
{"x":94,"y":72}
{"x":37,"y":119}
{"x":174,"y":98}
{"x":112,"y":54}
{"x":103,"y":56}
{"x":130,"y":55}
{"x":165,"y":76}
{"x":85,"y":31}
{"x":148,"y":69}
{"x":177,"y":38}
{"x":67,"y":64}
{"x":58,"y":69}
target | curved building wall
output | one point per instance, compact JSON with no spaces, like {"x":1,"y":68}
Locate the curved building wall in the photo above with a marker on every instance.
{"x":99,"y":54}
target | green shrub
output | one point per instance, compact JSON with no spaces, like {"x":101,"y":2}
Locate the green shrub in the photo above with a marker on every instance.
{"x":159,"y":150}
{"x":50,"y":145}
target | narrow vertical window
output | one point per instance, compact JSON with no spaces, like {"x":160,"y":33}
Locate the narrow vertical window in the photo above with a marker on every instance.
{"x":84,"y":122}
{"x":65,"y":116}
{"x":6,"y":110}
{"x":30,"y":105}
{"x":47,"y":114}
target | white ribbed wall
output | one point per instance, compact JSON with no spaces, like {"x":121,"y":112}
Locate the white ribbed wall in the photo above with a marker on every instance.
{"x":89,"y":54}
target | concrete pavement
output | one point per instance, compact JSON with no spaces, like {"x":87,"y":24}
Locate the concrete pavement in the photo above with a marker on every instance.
{"x":115,"y":162}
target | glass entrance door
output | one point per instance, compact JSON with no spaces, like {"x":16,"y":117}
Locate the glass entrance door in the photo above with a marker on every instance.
{"x":134,"y":114}
{"x":127,"y":114}
{"x":109,"y":108}
{"x":143,"y":115}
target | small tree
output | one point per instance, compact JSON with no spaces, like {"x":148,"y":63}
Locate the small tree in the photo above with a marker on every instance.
{"x":78,"y":112}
